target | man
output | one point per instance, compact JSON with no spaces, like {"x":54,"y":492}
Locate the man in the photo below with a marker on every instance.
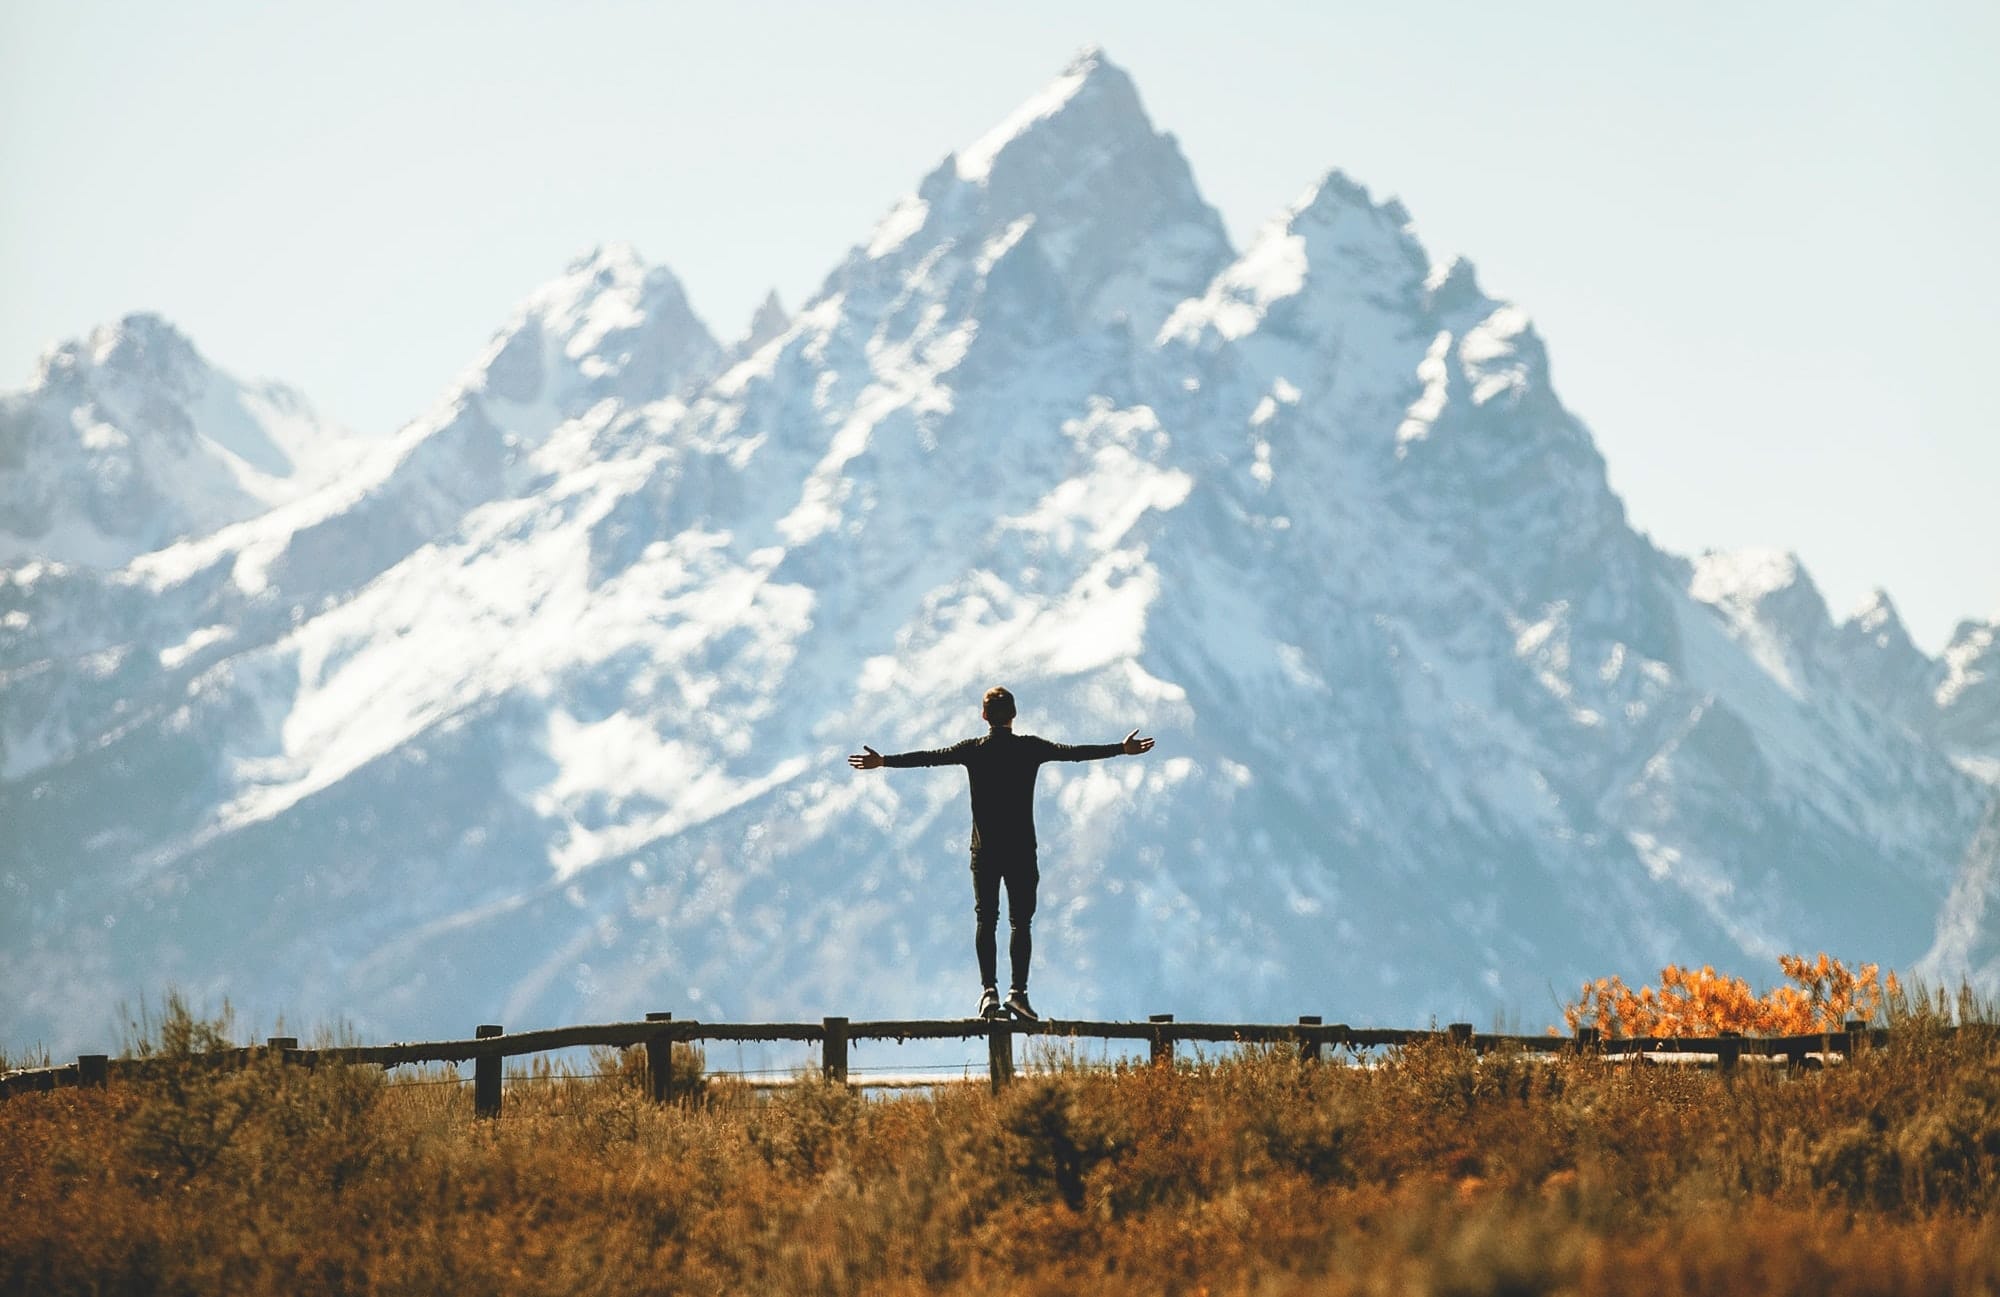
{"x":1001,"y":769}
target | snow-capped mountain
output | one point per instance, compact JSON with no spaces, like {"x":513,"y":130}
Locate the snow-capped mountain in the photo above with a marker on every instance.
{"x":129,"y":439}
{"x":539,"y":715}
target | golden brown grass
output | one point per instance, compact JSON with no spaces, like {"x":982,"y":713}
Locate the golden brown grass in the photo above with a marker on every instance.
{"x":1430,"y":1172}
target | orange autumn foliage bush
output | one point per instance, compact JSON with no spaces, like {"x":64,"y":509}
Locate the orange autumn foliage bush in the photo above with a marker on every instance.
{"x":1824,"y":995}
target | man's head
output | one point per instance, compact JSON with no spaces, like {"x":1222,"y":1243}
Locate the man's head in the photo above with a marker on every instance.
{"x":998,"y":709}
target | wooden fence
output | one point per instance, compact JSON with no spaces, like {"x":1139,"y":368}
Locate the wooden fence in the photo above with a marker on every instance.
{"x":659,"y":1033}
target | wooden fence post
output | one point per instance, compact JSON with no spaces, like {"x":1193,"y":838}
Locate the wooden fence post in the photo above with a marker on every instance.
{"x":660,"y":1061}
{"x":1857,"y":1036}
{"x":1163,"y":1043}
{"x":279,"y":1044}
{"x":1586,"y":1040}
{"x":1309,"y":1049}
{"x":486,"y":1074}
{"x":835,"y":1060}
{"x":1000,"y":1055}
{"x":1459,"y":1033}
{"x":92,"y":1070}
{"x":1728,"y":1048}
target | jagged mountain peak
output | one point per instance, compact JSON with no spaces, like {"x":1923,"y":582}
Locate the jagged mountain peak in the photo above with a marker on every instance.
{"x":1770,"y":604}
{"x":1335,"y":195}
{"x":1334,"y":247}
{"x":1875,"y":630}
{"x":1771,"y":584}
{"x":1091,"y":98}
{"x":1967,"y":697}
{"x":1972,"y":666}
{"x":142,"y":347}
{"x":1975,"y":630}
{"x":1343,"y":224}
{"x":1112,"y":202}
{"x":1875,"y":608}
{"x":1452,"y":288}
{"x":1873,"y":650}
{"x":598,"y":287}
{"x":609,"y":325}
{"x":768,"y":322}
{"x":1752,"y":574}
{"x":615,"y":259}
{"x":1877,"y":620}
{"x":1090,"y":58}
{"x":144,"y":342}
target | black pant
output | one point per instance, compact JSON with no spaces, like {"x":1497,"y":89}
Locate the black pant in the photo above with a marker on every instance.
{"x":991,"y":868}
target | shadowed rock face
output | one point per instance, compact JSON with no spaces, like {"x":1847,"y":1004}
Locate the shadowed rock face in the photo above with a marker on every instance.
{"x":1967,"y":691}
{"x":1873,"y":650}
{"x":539,"y":714}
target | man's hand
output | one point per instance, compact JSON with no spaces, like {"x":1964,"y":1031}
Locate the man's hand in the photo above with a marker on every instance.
{"x":1134,"y":745}
{"x":869,"y":759}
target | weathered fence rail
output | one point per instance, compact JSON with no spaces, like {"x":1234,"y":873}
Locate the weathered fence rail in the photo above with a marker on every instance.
{"x":660,"y":1032}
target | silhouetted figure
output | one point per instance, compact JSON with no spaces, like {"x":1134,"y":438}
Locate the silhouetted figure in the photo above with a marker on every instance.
{"x":1001,"y":768}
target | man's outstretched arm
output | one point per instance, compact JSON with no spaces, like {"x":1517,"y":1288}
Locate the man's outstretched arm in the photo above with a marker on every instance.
{"x":1132,"y":746}
{"x":869,"y":759}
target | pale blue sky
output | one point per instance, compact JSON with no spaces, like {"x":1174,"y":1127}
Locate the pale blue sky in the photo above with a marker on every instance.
{"x":1759,"y":239}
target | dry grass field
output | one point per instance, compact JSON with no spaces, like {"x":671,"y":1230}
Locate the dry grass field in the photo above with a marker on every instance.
{"x":1430,"y":1172}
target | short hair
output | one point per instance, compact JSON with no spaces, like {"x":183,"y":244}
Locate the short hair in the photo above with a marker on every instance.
{"x":998,"y":706}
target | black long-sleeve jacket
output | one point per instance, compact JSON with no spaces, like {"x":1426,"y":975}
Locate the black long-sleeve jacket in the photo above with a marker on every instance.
{"x":1001,"y":768}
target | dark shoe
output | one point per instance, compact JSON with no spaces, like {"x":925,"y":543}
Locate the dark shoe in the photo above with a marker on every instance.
{"x":989,"y":1004}
{"x":1017,"y":1004}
